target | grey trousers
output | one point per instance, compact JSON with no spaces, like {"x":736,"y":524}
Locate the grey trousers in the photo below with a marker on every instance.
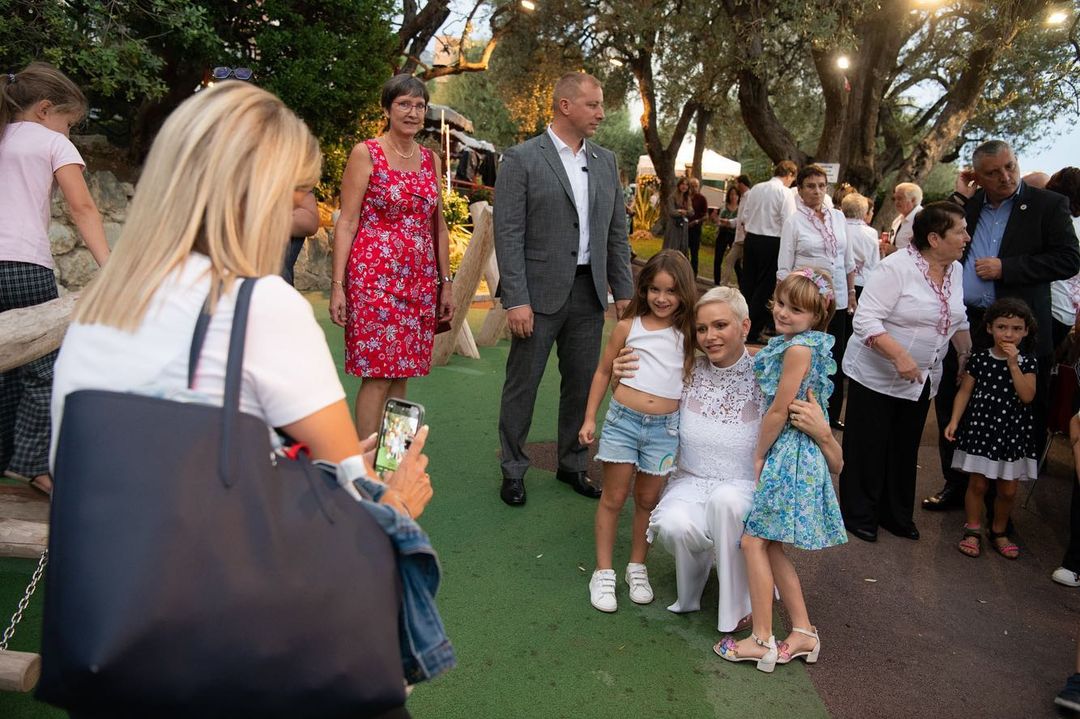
{"x":576,"y":331}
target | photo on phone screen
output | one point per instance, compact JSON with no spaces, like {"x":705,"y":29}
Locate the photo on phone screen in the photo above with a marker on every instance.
{"x":400,"y":422}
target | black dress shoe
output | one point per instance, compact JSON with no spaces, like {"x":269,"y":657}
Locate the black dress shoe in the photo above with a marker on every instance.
{"x":867,"y":535}
{"x":911,"y":532}
{"x":950,"y":497}
{"x":579,"y":482}
{"x":513,"y":491}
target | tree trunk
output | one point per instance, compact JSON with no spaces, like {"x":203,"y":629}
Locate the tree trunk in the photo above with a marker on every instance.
{"x":704,"y":117}
{"x":963,"y":97}
{"x":662,"y":156}
{"x":754,"y":104}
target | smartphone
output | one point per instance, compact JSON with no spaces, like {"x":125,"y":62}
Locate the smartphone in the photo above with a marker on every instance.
{"x":401,"y":420}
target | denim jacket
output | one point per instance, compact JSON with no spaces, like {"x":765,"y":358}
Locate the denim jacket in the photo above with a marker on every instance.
{"x":425,"y":649}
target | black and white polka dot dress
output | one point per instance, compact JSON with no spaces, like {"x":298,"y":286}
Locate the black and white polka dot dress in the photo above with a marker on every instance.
{"x":997,"y":434}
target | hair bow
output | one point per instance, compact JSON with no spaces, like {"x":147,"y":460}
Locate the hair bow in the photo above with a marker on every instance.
{"x":820,"y":282}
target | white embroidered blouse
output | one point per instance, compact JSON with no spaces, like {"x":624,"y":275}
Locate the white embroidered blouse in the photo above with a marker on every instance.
{"x":719,"y":419}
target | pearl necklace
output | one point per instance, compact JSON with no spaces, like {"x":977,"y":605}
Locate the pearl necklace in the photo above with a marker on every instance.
{"x":399,"y":153}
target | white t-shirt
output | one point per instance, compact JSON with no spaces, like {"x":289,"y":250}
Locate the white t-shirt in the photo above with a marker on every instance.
{"x":765,"y":207}
{"x":29,"y":155}
{"x":864,"y":247}
{"x":288,"y":371}
{"x":1065,"y":294}
{"x":902,"y":228}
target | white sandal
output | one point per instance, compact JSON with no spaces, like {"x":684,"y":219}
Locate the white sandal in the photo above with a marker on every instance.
{"x":810,"y":656}
{"x":726,"y":649}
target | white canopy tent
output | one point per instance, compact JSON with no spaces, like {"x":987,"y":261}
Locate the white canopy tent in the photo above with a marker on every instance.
{"x":714,"y":166}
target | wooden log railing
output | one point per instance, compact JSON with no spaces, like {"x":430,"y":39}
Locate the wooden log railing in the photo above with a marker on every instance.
{"x":25,"y":335}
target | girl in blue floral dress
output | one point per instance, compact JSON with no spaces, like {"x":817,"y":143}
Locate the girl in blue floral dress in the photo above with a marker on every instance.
{"x":794,"y":502}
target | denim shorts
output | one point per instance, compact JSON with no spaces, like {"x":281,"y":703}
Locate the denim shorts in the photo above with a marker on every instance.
{"x":647,"y":441}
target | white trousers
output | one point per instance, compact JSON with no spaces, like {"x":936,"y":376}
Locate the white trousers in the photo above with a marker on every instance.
{"x":700,"y":533}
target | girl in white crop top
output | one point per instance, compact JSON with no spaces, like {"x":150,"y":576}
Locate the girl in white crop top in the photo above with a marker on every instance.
{"x":641,"y":428}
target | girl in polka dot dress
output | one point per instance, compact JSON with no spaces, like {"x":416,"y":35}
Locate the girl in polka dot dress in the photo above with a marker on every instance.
{"x":996,"y":438}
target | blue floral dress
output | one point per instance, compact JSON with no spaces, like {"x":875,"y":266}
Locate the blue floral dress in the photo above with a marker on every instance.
{"x":794,"y":501}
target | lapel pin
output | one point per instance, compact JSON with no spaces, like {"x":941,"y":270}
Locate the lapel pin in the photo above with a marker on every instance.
{"x":593,"y":155}
{"x":1023,"y":207}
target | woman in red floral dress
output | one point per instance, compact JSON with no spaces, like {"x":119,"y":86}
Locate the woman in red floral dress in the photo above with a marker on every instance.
{"x":389,"y":290}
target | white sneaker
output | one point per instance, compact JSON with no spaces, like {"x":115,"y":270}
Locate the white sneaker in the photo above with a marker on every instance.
{"x":1065,"y":576}
{"x":602,"y":590}
{"x":637,"y":576}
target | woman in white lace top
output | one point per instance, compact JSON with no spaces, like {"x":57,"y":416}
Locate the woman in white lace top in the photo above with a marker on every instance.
{"x":699,"y":517}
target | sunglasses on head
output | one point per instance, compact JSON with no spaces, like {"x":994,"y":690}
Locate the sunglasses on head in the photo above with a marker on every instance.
{"x":224,"y":73}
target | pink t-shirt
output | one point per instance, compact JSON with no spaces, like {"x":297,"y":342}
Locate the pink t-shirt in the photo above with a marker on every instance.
{"x":29,"y":155}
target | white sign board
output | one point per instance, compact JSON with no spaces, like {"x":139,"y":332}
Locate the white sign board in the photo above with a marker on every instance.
{"x":832,"y":170}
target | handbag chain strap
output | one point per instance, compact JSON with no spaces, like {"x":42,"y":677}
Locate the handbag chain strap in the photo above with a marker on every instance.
{"x":25,"y":601}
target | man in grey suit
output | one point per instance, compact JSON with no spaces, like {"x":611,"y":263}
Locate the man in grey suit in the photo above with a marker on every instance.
{"x":560,"y":241}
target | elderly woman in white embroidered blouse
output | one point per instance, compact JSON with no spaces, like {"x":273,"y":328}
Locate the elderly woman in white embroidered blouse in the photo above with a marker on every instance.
{"x":912,"y":306}
{"x":816,"y":236}
{"x":699,"y":518}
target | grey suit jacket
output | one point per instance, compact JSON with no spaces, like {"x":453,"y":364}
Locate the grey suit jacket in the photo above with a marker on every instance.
{"x":536,"y":227}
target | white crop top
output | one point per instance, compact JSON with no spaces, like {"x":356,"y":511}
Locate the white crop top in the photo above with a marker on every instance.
{"x":660,"y":360}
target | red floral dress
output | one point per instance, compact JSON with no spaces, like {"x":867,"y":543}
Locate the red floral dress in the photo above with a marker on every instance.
{"x":391,"y":286}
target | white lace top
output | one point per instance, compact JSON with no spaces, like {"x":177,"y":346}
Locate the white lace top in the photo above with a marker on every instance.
{"x":719,"y":419}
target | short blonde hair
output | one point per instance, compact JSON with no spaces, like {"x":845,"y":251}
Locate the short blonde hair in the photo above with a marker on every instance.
{"x":854,"y":206}
{"x":729,"y":296}
{"x":568,"y":87}
{"x":219,"y":180}
{"x":911,"y":191}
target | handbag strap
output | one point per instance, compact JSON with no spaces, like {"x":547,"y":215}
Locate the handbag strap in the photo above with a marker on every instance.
{"x":233,"y":378}
{"x":230,"y":409}
{"x":198,"y":337}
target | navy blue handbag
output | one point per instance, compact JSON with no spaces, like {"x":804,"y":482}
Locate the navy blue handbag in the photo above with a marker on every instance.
{"x":193,"y":572}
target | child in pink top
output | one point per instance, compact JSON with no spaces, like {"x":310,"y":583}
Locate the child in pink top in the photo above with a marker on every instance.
{"x":38,"y":107}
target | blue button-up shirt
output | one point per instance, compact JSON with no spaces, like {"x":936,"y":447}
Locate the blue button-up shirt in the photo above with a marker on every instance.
{"x":986,"y":243}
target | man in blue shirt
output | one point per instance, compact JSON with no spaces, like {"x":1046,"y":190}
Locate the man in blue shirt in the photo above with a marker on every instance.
{"x":1022,"y":240}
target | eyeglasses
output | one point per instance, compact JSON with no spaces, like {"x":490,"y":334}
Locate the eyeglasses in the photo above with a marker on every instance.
{"x":224,"y":73}
{"x":408,"y":107}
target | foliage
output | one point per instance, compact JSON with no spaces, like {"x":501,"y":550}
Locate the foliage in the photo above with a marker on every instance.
{"x":646,"y":206}
{"x":138,"y":59}
{"x":708,"y":234}
{"x":475,"y":96}
{"x":626,"y":142}
{"x":458,"y":222}
{"x":110,"y":48}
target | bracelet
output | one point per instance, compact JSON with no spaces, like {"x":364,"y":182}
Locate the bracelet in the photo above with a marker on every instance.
{"x":337,"y":282}
{"x":446,"y":279}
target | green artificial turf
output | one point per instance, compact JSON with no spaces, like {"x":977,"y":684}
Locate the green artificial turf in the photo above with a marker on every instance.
{"x":514,"y":595}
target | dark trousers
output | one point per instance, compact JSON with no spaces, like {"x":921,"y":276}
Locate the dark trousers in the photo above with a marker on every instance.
{"x":576,"y":331}
{"x":840,"y":329}
{"x":26,"y":391}
{"x":693,"y":238}
{"x":292,"y":251}
{"x":759,"y":279}
{"x":1072,"y":551}
{"x":881,"y":453}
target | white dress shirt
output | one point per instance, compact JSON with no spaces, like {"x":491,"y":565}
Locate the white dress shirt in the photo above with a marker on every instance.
{"x":578,"y":173}
{"x":901,"y":228}
{"x":803,"y":245}
{"x":765,"y":207}
{"x":898,"y":300}
{"x":865,"y":248}
{"x":1065,"y":294}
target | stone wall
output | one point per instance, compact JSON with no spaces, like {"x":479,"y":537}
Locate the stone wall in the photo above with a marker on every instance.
{"x":75,"y":266}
